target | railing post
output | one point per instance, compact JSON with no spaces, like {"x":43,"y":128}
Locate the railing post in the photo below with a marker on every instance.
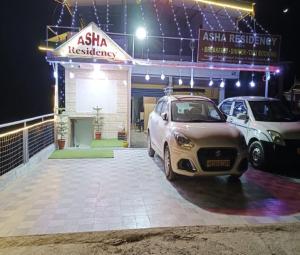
{"x":25,"y":145}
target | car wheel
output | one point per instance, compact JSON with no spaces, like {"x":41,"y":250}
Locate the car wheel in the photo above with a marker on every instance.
{"x":257,"y":155}
{"x":151,"y":152}
{"x":171,"y":176}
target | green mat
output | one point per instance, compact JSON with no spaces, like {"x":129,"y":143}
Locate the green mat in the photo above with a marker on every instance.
{"x":107,"y":143}
{"x":81,"y":154}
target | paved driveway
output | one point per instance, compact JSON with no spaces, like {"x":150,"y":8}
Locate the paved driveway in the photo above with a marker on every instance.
{"x":130,"y":191}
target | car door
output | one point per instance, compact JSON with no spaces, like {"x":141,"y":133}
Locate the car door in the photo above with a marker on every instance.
{"x":155,"y":117}
{"x":162,"y":126}
{"x":239,"y":108}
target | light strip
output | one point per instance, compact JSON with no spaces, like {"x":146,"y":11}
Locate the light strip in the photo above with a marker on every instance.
{"x":24,"y":128}
{"x":232,"y":6}
{"x":42,"y":48}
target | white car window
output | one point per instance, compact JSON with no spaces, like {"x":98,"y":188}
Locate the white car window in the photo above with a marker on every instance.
{"x":239,"y":108}
{"x":226,"y":107}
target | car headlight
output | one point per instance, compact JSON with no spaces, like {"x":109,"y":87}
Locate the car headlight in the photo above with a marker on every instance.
{"x":276,"y":137}
{"x":183,"y":141}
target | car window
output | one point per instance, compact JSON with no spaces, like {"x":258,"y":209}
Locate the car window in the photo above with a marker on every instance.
{"x":239,"y":108}
{"x":226,"y":107}
{"x":158,"y":107}
{"x":195,"y":111}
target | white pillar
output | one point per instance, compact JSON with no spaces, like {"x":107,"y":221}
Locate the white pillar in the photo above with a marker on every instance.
{"x":267,"y":83}
{"x":56,"y":102}
{"x":221,"y":94}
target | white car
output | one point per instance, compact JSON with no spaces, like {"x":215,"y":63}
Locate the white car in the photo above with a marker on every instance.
{"x":270,"y":130}
{"x":193,"y":138}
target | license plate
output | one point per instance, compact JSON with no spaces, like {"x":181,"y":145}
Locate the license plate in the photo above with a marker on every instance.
{"x":298,"y":151}
{"x":218,"y":163}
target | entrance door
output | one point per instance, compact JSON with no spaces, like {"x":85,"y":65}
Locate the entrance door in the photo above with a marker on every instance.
{"x":83,"y":132}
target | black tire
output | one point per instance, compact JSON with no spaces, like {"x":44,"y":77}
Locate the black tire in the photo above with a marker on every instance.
{"x":257,"y":155}
{"x":171,"y":176}
{"x":151,"y":152}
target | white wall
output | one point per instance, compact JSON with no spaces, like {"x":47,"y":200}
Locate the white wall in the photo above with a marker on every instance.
{"x":108,"y":90}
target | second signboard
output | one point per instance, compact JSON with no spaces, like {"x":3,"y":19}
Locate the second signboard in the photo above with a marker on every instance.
{"x":238,"y":48}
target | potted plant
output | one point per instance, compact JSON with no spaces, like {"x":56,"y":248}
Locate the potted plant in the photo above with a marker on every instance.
{"x":61,"y":127}
{"x":98,"y":123}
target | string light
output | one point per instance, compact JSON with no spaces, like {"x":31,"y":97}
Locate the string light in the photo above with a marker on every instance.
{"x":245,"y":21}
{"x":107,"y":15}
{"x":96,"y":13}
{"x":187,"y":19}
{"x":175,"y":18}
{"x":216,"y":17}
{"x":204,"y":16}
{"x":144,"y":23}
{"x":160,"y":29}
{"x":61,"y":14}
{"x":74,"y":14}
{"x":235,"y":26}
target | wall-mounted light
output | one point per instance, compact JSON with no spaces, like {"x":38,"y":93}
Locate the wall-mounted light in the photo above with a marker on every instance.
{"x":238,"y":83}
{"x":147,"y":77}
{"x":211,"y":83}
{"x":162,"y":77}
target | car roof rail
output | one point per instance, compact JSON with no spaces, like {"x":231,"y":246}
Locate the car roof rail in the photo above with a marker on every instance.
{"x":172,"y":90}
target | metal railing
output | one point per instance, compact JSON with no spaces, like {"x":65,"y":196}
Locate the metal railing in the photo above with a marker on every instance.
{"x":21,"y":140}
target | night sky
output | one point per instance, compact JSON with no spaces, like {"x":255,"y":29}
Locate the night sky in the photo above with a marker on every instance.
{"x":26,"y":78}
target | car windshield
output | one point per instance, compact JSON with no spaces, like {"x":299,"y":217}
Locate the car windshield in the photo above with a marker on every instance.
{"x":195,"y":111}
{"x":271,"y":111}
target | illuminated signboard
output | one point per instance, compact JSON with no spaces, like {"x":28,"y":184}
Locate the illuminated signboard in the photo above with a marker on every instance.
{"x":238,"y":48}
{"x":92,"y":42}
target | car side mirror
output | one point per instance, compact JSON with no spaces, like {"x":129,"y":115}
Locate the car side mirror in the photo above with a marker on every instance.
{"x":164,"y":116}
{"x":243,"y":116}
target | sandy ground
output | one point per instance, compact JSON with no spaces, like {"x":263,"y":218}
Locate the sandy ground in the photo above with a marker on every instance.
{"x":262,"y":239}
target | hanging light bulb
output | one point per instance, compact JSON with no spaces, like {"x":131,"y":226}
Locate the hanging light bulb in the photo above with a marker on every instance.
{"x":55,"y":74}
{"x":147,"y":77}
{"x":162,"y":76}
{"x":72,"y":75}
{"x":192,"y":82}
{"x":252,"y":84}
{"x":180,"y":81}
{"x":211,"y":82}
{"x":222,"y":84}
{"x":238,"y":83}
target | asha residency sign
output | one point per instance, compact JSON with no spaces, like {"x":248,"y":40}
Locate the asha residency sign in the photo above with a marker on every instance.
{"x":238,"y":48}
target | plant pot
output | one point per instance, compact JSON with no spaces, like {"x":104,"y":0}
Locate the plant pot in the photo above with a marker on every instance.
{"x":125,"y":144}
{"x":61,"y":144}
{"x":98,"y":135}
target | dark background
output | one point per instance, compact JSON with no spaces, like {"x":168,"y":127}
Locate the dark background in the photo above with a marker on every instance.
{"x":26,"y":78}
